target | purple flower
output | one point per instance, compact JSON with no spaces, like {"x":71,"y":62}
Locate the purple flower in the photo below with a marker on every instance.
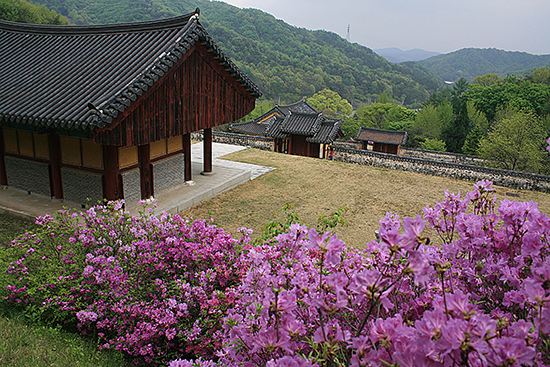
{"x":420,"y":267}
{"x":271,"y":339}
{"x":413,"y":230}
{"x":511,"y":352}
{"x":86,"y":317}
{"x":288,"y":361}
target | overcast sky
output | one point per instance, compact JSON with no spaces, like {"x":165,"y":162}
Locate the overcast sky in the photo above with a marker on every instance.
{"x":431,"y":25}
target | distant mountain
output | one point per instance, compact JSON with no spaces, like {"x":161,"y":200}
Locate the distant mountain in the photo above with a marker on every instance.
{"x":472,"y":62}
{"x":394,"y":54}
{"x":287,"y":63}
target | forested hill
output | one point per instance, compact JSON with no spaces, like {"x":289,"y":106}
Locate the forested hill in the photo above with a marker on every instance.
{"x":472,"y":62}
{"x":288,"y":63}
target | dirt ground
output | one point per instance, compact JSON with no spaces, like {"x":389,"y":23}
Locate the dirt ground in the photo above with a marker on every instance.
{"x":318,"y":187}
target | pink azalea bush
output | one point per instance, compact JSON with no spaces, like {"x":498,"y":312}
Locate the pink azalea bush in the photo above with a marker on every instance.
{"x":466,"y":284}
{"x":151,"y":287}
{"x":478,"y":294}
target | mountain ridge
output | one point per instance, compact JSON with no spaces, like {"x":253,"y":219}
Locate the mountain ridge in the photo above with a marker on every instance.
{"x":396,"y":55}
{"x":471,"y":62}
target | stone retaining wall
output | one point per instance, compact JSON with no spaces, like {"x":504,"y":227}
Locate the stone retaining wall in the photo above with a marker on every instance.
{"x":28,"y":175}
{"x":348,"y":144}
{"x":441,"y":156}
{"x":168,"y":173}
{"x":511,"y":179}
{"x":82,"y":187}
{"x":256,"y":142}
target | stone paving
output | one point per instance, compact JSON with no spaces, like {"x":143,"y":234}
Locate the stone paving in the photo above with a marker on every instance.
{"x":220,"y":150}
{"x":226,"y":175}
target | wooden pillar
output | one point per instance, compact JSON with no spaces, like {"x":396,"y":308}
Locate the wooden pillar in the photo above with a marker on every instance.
{"x":145,"y":171}
{"x":3,"y":174}
{"x":56,"y":183}
{"x":187,"y":157}
{"x":207,"y":152}
{"x":290,"y":144}
{"x":111,"y":179}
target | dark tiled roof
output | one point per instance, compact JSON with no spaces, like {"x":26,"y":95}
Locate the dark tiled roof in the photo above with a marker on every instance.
{"x":300,"y":106}
{"x":329,"y":130}
{"x":82,"y":77}
{"x":274,"y":128}
{"x":382,"y":136}
{"x":250,"y":127}
{"x":301,"y":123}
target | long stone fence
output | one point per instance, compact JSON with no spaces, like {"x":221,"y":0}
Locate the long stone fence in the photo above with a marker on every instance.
{"x":256,"y":142}
{"x":457,"y":166}
{"x":511,"y":179}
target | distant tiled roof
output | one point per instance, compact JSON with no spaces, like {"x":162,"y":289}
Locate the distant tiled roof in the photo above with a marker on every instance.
{"x":300,"y":106}
{"x":382,"y":136}
{"x":283,"y":111}
{"x":82,"y":77}
{"x":301,"y":123}
{"x":329,"y":130}
{"x":274,"y":128}
{"x":250,"y":127}
{"x":299,"y":119}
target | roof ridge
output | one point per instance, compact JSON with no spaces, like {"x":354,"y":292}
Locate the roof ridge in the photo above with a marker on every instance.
{"x":68,"y":30}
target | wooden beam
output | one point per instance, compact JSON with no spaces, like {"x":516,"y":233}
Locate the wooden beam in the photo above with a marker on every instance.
{"x":145,"y":171}
{"x":3,"y":174}
{"x":187,"y":157}
{"x":56,"y":182}
{"x":207,"y":151}
{"x":112,"y":188}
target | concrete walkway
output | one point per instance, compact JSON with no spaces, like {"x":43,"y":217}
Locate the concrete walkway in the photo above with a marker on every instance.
{"x":225,"y":176}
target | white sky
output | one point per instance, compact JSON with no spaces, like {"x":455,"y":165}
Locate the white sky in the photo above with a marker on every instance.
{"x":432,"y":25}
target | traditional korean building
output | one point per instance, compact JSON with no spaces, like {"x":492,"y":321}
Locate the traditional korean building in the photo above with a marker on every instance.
{"x":93,"y":112}
{"x":296,"y":128}
{"x":384,"y":141}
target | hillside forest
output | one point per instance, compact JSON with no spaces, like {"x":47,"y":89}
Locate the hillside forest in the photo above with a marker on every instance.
{"x":505,"y":120}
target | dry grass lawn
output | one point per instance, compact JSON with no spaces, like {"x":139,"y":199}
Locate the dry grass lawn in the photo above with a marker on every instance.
{"x":318,"y":187}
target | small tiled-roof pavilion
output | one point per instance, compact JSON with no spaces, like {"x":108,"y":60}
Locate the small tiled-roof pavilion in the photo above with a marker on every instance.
{"x":107,"y":111}
{"x":296,"y":128}
{"x":384,"y":141}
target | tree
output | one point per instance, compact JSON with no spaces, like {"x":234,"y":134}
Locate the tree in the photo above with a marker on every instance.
{"x":480,"y":127}
{"x":384,"y":98}
{"x":456,"y":132}
{"x":25,"y":12}
{"x":541,"y":76}
{"x":350,"y":126}
{"x":434,"y":144}
{"x":330,"y":102}
{"x":516,"y":141}
{"x":487,"y":79}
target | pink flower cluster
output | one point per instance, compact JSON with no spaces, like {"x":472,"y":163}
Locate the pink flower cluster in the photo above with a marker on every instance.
{"x":152,"y":287}
{"x":477,"y":294}
{"x":465,"y":284}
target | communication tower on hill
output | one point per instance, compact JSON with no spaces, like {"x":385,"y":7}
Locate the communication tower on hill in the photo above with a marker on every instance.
{"x":348,"y":37}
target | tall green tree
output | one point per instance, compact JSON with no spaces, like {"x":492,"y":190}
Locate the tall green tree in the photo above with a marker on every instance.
{"x":456,"y":132}
{"x":330,"y":103}
{"x":480,"y":127}
{"x":541,"y":76}
{"x":487,"y":79}
{"x":515,"y":141}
